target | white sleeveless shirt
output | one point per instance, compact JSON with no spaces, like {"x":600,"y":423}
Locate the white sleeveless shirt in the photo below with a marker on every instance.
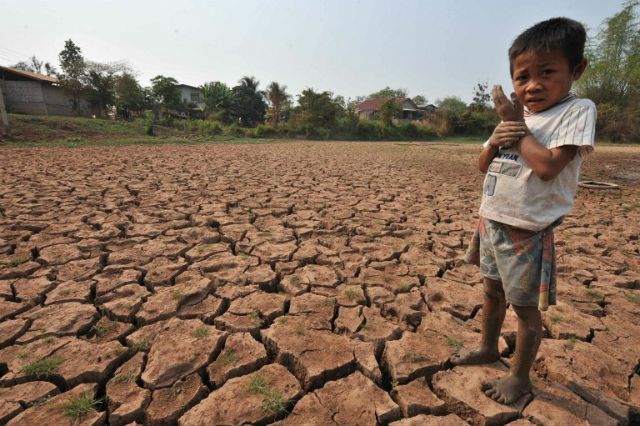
{"x":514,"y":195}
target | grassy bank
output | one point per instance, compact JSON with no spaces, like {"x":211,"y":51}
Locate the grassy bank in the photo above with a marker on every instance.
{"x":40,"y":131}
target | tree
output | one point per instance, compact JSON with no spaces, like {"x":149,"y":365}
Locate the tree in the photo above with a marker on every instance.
{"x":388,"y":92}
{"x":419,"y":100}
{"x":613,"y":74}
{"x":612,"y":79}
{"x":165,"y":92}
{"x":481,"y":97}
{"x":129,"y":95}
{"x":278,"y":97}
{"x":247,"y":103}
{"x":217,"y":99}
{"x":451,"y":104}
{"x":73,"y":69}
{"x":100,"y":81}
{"x":318,"y":110}
{"x":388,"y":111}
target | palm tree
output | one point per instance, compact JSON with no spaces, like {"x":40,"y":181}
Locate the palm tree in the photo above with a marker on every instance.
{"x":249,"y":83}
{"x":278,"y":97}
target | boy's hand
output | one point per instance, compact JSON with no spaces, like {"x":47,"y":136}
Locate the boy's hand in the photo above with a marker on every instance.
{"x":508,"y":133}
{"x":508,"y":110}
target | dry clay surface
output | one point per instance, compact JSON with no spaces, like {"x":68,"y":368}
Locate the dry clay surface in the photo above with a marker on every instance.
{"x":295,"y":284}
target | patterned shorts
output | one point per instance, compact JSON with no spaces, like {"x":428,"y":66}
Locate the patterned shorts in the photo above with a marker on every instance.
{"x":524,"y":261}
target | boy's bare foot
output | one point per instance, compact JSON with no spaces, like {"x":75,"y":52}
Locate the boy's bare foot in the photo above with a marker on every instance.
{"x":507,"y":390}
{"x":477,"y":356}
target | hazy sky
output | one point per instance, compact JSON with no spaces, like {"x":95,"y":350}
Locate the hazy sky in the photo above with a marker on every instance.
{"x":432,"y":47}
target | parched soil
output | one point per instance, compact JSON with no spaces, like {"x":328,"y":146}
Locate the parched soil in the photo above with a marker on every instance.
{"x":295,"y":284}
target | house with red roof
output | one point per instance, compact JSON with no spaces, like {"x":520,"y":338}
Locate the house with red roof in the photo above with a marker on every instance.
{"x":371,"y":107}
{"x":28,"y":92}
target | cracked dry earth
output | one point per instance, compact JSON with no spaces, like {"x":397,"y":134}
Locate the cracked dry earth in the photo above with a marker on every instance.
{"x":294,"y":284}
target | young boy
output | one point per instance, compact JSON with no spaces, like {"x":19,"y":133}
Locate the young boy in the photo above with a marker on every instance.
{"x":532,"y":162}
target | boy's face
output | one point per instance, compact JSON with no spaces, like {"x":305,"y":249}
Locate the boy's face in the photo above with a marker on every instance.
{"x":542,"y":78}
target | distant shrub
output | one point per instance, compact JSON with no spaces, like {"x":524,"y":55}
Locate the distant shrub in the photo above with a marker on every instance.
{"x":368,"y":130}
{"x":263,"y":131}
{"x":204,"y":127}
{"x":319,"y":133}
{"x":235,"y":130}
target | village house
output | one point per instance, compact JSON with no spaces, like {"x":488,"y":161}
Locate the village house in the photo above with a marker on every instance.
{"x":410,"y":111}
{"x":191,"y":95}
{"x":32,"y":93}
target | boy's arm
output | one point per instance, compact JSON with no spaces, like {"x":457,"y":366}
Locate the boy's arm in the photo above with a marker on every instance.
{"x":505,"y":133}
{"x":486,"y":157}
{"x":545,"y":163}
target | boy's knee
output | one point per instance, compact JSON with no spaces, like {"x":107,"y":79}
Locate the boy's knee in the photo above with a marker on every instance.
{"x":526,"y":313}
{"x":493,"y":289}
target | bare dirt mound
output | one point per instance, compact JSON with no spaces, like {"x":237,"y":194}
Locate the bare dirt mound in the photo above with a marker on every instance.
{"x":298,"y":283}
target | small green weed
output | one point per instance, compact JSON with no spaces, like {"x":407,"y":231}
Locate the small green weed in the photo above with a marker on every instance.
{"x":255,"y":316}
{"x":632,"y":297}
{"x":127,"y":377}
{"x":594,"y":294}
{"x":554,"y":319}
{"x":351,"y":294}
{"x":404,"y":287}
{"x":140,"y":345}
{"x":229,"y":357}
{"x":454,"y":342}
{"x":101,"y":328}
{"x":570,"y":344}
{"x":77,"y":406}
{"x":272,"y":401}
{"x":201,"y":332}
{"x":177,"y":294}
{"x":14,"y":261}
{"x":43,"y":367}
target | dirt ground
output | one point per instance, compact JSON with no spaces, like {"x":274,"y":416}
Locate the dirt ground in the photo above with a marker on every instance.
{"x":295,"y":283}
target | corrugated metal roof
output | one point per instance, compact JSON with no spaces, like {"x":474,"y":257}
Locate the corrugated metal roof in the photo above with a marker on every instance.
{"x":31,"y":75}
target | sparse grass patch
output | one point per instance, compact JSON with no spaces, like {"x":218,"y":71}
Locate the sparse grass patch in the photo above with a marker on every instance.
{"x":201,"y":332}
{"x":594,"y":294}
{"x":350,"y":293}
{"x":554,"y":319}
{"x":100,"y":329}
{"x":272,"y":401}
{"x":404,"y":287}
{"x":455,"y":342}
{"x":141,"y":345}
{"x":22,"y":355}
{"x":126,"y":377}
{"x":255,"y":316}
{"x":43,"y":367}
{"x":299,"y":330}
{"x":176,"y":294}
{"x":77,"y":406}
{"x":632,"y":297}
{"x":570,"y":344}
{"x":14,"y":261}
{"x":229,"y":357}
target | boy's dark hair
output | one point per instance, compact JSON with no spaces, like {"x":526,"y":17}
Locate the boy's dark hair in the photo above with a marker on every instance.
{"x":564,"y":34}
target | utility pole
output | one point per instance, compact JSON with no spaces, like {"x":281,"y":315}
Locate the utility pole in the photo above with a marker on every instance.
{"x":3,"y":113}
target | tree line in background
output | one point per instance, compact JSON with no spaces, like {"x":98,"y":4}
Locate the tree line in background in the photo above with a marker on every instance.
{"x":612,"y":81}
